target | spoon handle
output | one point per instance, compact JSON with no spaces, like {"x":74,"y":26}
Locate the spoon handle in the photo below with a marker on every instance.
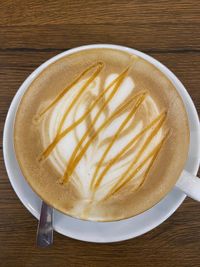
{"x":45,"y":226}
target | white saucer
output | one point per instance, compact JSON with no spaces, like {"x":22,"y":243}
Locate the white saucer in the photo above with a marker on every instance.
{"x":96,"y":231}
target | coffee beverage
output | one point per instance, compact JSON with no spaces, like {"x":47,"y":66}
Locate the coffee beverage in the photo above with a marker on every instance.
{"x":101,"y":134}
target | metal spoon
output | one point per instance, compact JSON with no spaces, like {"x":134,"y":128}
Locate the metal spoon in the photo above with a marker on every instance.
{"x":45,"y":226}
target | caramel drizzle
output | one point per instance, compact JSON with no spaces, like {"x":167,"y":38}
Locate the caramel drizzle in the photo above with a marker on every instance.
{"x":124,"y":179}
{"x":81,"y":149}
{"x":160,"y":120}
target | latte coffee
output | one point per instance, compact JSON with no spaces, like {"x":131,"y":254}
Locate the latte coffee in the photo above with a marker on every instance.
{"x":101,"y":134}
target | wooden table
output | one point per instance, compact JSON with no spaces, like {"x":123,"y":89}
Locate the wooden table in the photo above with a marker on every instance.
{"x":32,"y":32}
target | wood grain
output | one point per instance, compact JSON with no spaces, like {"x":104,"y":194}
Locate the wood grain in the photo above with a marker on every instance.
{"x":158,"y":37}
{"x":33,"y":31}
{"x":17,"y":12}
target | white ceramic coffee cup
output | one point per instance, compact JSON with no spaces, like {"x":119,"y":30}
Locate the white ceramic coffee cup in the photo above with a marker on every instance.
{"x":187,"y":182}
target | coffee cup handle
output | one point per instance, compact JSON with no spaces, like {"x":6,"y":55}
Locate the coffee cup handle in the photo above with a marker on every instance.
{"x":190,"y":185}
